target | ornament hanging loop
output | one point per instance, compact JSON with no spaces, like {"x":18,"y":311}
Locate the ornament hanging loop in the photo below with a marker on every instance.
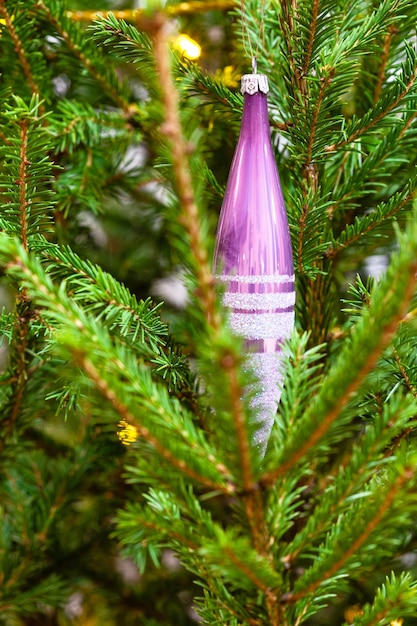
{"x":246,"y":36}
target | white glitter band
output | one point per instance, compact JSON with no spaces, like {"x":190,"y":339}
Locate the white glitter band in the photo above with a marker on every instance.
{"x":264,"y":402}
{"x":267,"y":368}
{"x":273,"y":278}
{"x":259,"y":300}
{"x":262,"y":325}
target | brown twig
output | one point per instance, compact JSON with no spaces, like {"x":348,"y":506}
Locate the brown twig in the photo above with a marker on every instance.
{"x":23,"y":303}
{"x":300,"y":236}
{"x":22,"y":182}
{"x":313,"y":26}
{"x":246,"y":570}
{"x":20,"y":343}
{"x":183,"y":182}
{"x":404,"y":374}
{"x":230,"y":366}
{"x":325,"y":82}
{"x":383,"y":63}
{"x":19,"y":49}
{"x":287,"y":25}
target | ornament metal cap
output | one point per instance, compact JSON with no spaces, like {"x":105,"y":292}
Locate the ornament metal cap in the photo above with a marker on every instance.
{"x":252,"y":83}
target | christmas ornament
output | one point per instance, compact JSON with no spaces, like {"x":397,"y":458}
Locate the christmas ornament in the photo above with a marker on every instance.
{"x":253,"y":255}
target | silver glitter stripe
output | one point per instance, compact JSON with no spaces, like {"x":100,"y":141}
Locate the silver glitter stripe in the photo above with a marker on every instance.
{"x":259,"y":300}
{"x":262,"y":325}
{"x":256,"y":280}
{"x":287,"y":309}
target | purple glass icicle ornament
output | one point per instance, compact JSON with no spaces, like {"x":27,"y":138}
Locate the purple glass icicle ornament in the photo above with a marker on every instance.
{"x":253,"y":255}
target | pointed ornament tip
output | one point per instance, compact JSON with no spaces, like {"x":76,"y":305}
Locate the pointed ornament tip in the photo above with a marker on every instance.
{"x":253,"y":83}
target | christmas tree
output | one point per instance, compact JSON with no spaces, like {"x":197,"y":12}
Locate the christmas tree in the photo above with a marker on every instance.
{"x":132,"y":491}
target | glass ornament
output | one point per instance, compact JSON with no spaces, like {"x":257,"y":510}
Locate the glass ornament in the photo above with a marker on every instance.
{"x":253,"y":257}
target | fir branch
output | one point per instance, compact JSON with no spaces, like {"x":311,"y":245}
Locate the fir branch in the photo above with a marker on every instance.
{"x":159,"y":526}
{"x":394,"y":96}
{"x":368,"y":529}
{"x":404,"y":374}
{"x":25,"y":180}
{"x":104,"y":296}
{"x":367,"y":224}
{"x":144,"y":432}
{"x":225,"y":605}
{"x":19,"y":48}
{"x":302,"y":222}
{"x":287,"y":29}
{"x":311,"y":237}
{"x":131,"y":386}
{"x":231,"y":557}
{"x":362,"y":171}
{"x":138,"y":323}
{"x":309,"y":167}
{"x":385,"y":314}
{"x":246,"y":570}
{"x":397,"y":596}
{"x":172,"y":458}
{"x":353,"y":472}
{"x":126,"y":42}
{"x":222,"y":552}
{"x":321,"y":430}
{"x":229,"y":363}
{"x":51,"y":591}
{"x":26,"y":194}
{"x":214,"y":91}
{"x":76,"y":123}
{"x":107,"y":80}
{"x":304,"y":377}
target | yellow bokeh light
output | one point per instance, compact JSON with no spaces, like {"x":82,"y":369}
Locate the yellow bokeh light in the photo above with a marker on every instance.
{"x":128,"y":433}
{"x":229,"y":76}
{"x":188,"y":47}
{"x":352,"y":612}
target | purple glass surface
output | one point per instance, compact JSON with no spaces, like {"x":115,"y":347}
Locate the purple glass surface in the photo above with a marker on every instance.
{"x":253,"y":236}
{"x":253,"y":258}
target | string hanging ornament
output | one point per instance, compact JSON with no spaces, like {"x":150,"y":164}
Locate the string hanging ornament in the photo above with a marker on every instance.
{"x":253,"y":256}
